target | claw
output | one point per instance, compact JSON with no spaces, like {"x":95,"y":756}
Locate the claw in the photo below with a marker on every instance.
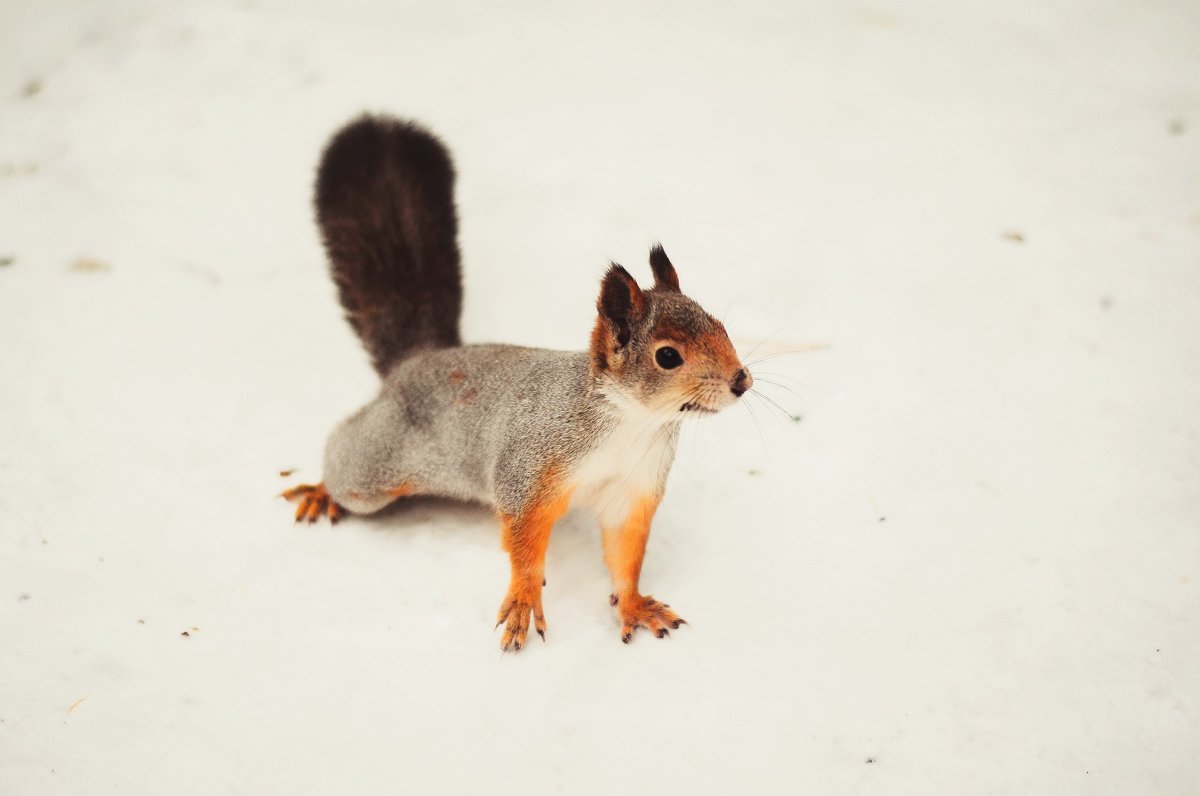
{"x":516,"y":613}
{"x":297,"y":491}
{"x":639,"y":610}
{"x":312,"y":501}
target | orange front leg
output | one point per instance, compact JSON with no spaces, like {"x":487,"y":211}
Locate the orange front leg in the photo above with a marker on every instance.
{"x":526,"y":536}
{"x":624,"y":549}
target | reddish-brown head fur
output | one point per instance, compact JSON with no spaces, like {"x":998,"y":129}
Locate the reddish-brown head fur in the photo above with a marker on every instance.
{"x":660,"y":348}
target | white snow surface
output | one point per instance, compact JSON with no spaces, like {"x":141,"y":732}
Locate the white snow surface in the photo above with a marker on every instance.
{"x":970,"y":567}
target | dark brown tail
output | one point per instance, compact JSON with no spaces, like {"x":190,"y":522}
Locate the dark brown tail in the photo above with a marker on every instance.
{"x":385,"y":206}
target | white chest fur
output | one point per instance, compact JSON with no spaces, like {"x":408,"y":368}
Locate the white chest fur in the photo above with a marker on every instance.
{"x":629,"y":464}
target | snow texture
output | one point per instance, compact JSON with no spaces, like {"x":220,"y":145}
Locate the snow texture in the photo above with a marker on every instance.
{"x":968,"y":565}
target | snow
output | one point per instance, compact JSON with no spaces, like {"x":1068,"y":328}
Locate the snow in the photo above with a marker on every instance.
{"x":970,"y":567}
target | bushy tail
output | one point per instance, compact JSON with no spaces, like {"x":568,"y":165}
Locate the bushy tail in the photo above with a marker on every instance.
{"x":385,"y":206}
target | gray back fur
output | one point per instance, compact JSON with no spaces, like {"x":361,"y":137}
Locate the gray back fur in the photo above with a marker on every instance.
{"x":478,"y":423}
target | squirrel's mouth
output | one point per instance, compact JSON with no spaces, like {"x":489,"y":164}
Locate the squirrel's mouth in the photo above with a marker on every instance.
{"x":692,"y":406}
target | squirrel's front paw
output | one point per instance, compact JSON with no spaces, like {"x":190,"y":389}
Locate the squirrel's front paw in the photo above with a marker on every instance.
{"x":314,"y":500}
{"x":523,"y":599}
{"x":637,"y":610}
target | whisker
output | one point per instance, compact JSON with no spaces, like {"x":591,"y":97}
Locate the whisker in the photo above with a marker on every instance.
{"x":791,"y":352}
{"x":794,"y":394}
{"x":728,"y":309}
{"x":765,"y":339}
{"x":773,"y":403}
{"x":771,"y":409}
{"x":761,"y":439}
{"x":792,"y":379}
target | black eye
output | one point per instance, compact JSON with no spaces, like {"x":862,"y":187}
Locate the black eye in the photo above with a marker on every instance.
{"x":667,"y":358}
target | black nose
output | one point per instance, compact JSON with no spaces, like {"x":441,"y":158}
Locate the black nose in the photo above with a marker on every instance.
{"x":740,"y":384}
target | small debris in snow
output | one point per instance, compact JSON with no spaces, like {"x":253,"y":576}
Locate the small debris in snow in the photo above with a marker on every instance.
{"x":870,"y":760}
{"x":286,"y":473}
{"x":24,"y":596}
{"x":188,"y":633}
{"x":32,"y":88}
{"x":797,"y":418}
{"x":76,"y":704}
{"x":755,"y":472}
{"x":207,"y":274}
{"x":90,"y":265}
{"x":883,"y":518}
{"x":1014,"y":236}
{"x":7,"y":261}
{"x":1177,"y":126}
{"x":1106,"y":302}
{"x":18,"y":169}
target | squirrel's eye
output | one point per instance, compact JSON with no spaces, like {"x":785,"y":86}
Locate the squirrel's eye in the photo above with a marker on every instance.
{"x":667,"y":358}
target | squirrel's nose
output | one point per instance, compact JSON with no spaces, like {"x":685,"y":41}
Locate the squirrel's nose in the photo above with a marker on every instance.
{"x":742,"y":381}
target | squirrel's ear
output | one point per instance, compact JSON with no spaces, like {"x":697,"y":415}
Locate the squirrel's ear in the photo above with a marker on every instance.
{"x":620,"y":301}
{"x":664,"y":273}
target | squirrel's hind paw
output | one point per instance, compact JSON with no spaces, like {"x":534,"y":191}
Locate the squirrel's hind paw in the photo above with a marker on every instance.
{"x":313,"y":500}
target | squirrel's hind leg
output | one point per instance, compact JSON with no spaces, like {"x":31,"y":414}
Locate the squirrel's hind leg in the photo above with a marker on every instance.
{"x":314,"y":501}
{"x":367,"y":458}
{"x":364,"y":468}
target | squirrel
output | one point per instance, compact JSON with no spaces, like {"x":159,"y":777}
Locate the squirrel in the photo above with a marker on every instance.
{"x":527,"y":431}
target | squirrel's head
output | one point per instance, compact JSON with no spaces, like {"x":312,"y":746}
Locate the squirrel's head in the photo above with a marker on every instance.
{"x":660,"y":348}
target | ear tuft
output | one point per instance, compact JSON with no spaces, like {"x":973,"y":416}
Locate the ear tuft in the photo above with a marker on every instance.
{"x":665,"y":277}
{"x":620,"y":301}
